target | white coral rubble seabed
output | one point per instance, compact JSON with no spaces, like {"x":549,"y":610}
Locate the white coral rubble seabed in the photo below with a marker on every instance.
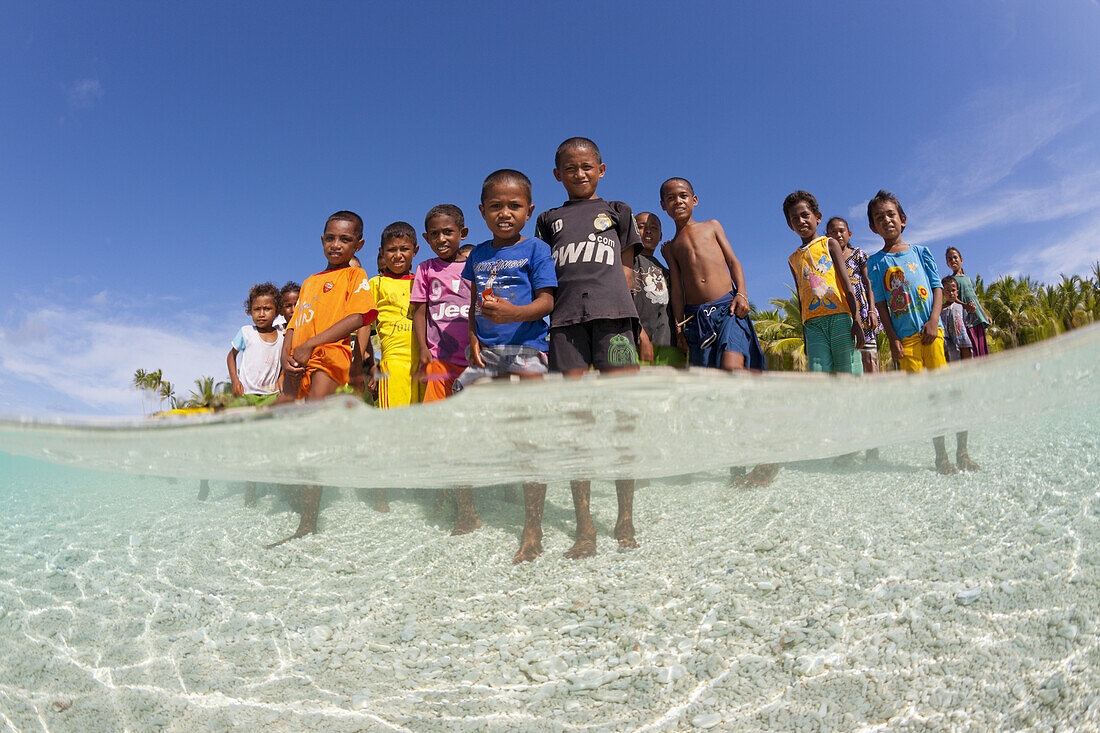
{"x":868,"y":596}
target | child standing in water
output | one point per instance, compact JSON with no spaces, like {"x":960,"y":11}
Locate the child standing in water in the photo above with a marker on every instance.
{"x":258,"y":376}
{"x":441,"y":323}
{"x":651,"y":298}
{"x":512,"y":285}
{"x":332,"y":305}
{"x":441,"y":304}
{"x":855,"y":261}
{"x":392,"y":290}
{"x":288,"y":295}
{"x":956,"y":341}
{"x":909,"y":305}
{"x":831,"y":330}
{"x":976,"y":319}
{"x":594,"y":320}
{"x":709,"y":299}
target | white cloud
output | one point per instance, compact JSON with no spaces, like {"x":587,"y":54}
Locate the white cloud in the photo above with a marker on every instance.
{"x":1074,"y":254}
{"x":84,"y":94}
{"x":1004,"y":163}
{"x":85,"y":355}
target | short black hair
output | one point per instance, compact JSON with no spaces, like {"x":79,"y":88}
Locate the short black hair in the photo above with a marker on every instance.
{"x":574,"y":143}
{"x":949,"y":250}
{"x":685,"y":181}
{"x":945,"y":278}
{"x":260,"y":290}
{"x":798,"y":197}
{"x":446,"y":210}
{"x":883,"y":196}
{"x":838,"y":218}
{"x":647,"y":213}
{"x":290,"y":287}
{"x":398,"y":230}
{"x":348,"y":216}
{"x":506,"y":175}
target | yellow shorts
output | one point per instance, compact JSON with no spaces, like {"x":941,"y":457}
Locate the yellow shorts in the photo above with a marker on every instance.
{"x":918,"y":356}
{"x":399,"y":385}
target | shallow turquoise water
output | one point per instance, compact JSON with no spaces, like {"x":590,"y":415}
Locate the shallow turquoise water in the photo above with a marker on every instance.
{"x":830,"y":599}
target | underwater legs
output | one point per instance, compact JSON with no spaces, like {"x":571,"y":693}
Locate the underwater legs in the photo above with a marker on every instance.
{"x":530,"y":542}
{"x":624,"y":525}
{"x":466,"y":520}
{"x":309,"y":506}
{"x":584,"y":544}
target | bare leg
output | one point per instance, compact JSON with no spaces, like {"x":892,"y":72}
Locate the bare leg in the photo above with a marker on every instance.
{"x":509,"y":493}
{"x":584,"y":543}
{"x":737,"y":476}
{"x":310,"y":507}
{"x":530,"y":543}
{"x":289,"y":391}
{"x":249,"y":493}
{"x":872,"y":454}
{"x":962,"y":458}
{"x":943,"y":463}
{"x":467,"y":519}
{"x":380,"y":502}
{"x":204,"y":489}
{"x":624,"y":525}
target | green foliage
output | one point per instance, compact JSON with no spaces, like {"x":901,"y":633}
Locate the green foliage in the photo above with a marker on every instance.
{"x":780,"y":334}
{"x":1021,"y":311}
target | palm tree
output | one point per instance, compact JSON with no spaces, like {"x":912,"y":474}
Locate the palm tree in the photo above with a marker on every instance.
{"x":780,"y":330}
{"x":209,"y":394}
{"x":1016,"y":313}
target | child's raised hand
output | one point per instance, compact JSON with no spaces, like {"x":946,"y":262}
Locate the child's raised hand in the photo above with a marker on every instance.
{"x":499,"y":310}
{"x":970,"y":307}
{"x":740,"y":305}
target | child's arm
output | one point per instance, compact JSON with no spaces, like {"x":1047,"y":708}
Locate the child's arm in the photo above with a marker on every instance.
{"x":420,"y":333}
{"x":932,"y":326}
{"x":299,"y":355}
{"x":798,"y":300}
{"x":740,"y":306}
{"x":676,"y":295}
{"x":872,"y":312}
{"x":475,"y":345}
{"x":366,"y":351}
{"x":897,"y":351}
{"x":500,"y":310}
{"x":842,"y":277}
{"x":231,"y":362}
{"x":645,"y":347}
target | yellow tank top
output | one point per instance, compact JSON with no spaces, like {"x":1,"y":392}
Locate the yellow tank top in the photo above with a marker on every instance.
{"x":818,"y":290}
{"x":394,"y":326}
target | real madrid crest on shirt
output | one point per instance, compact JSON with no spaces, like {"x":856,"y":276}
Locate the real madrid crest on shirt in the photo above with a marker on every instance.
{"x":603,"y":222}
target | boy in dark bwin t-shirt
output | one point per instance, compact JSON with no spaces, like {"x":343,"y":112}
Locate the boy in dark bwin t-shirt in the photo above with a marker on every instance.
{"x":594,"y":320}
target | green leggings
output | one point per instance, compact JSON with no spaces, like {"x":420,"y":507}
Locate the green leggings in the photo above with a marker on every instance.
{"x":830,"y":346}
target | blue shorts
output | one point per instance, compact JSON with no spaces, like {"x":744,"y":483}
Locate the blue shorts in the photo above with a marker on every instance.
{"x":712,"y":330}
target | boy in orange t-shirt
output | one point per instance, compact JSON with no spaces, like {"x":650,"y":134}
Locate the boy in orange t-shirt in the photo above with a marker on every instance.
{"x":332,"y":305}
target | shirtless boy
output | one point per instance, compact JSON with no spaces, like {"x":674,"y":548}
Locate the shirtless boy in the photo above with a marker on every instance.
{"x":709,"y":305}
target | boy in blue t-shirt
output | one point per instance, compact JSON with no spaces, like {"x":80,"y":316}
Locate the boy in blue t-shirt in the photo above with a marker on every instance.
{"x":908,"y":294}
{"x":512,"y":283}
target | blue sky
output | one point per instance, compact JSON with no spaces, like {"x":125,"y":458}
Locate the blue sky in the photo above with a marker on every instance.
{"x":158,"y":159}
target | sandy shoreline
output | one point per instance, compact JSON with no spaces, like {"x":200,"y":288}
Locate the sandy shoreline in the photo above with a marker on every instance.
{"x":829,"y":600}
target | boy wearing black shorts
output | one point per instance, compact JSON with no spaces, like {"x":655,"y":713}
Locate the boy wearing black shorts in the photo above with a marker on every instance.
{"x":594,"y":322}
